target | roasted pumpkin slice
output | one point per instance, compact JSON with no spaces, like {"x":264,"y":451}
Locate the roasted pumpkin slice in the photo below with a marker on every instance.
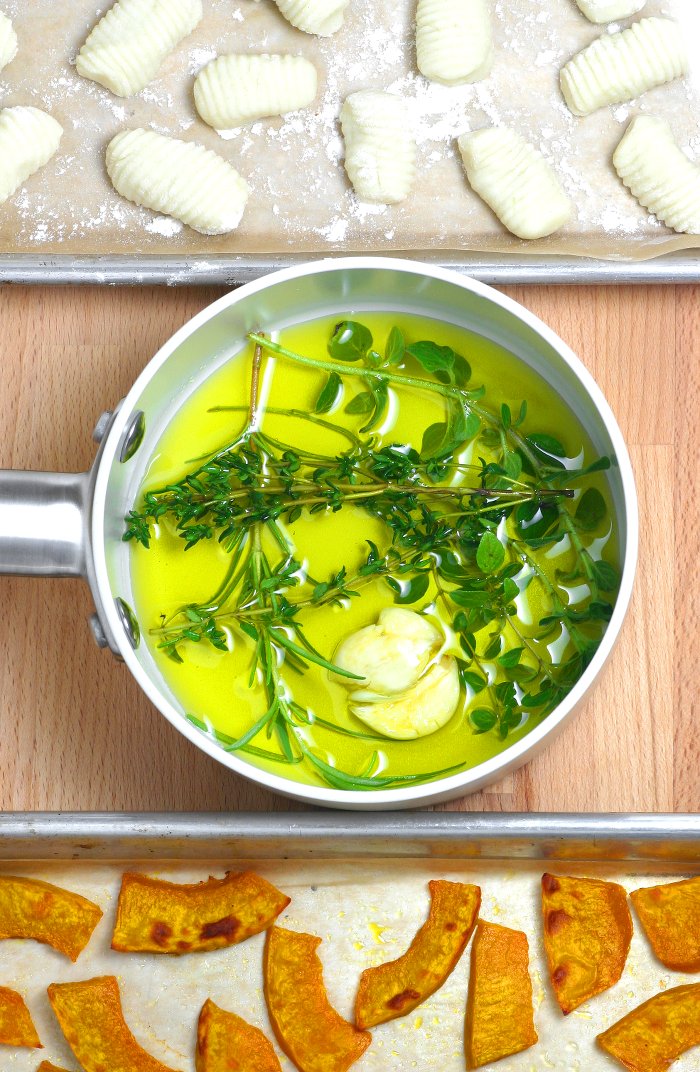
{"x":154,"y":916}
{"x":46,"y":1066}
{"x":226,"y":1042}
{"x":670,"y":916}
{"x":587,"y":935}
{"x":652,"y":1036}
{"x":30,"y":908}
{"x":309,"y":1030}
{"x":395,"y":988}
{"x":91,"y":1018}
{"x":499,"y":1007}
{"x":16,"y":1027}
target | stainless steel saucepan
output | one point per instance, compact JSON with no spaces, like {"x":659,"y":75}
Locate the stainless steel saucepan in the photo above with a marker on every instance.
{"x":70,"y":525}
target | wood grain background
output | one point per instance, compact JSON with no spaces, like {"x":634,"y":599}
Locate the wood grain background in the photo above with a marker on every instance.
{"x":76,"y":732}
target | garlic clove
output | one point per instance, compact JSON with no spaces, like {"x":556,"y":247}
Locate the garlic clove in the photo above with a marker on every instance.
{"x":392,"y":654}
{"x":422,"y":709}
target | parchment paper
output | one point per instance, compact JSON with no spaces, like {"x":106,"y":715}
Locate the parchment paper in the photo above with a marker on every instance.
{"x":366,"y":913}
{"x":301,"y":199}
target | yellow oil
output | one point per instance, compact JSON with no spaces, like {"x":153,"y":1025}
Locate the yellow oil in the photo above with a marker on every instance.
{"x":213,"y":686}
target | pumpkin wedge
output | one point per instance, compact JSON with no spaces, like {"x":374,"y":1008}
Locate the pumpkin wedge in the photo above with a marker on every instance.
{"x":309,"y":1030}
{"x":499,"y":1007}
{"x":587,"y":935}
{"x":91,"y":1018}
{"x":30,"y":908}
{"x":16,"y":1027}
{"x":655,"y":1034}
{"x":154,"y":916}
{"x":226,"y":1042}
{"x":670,"y":916}
{"x":399,"y":986}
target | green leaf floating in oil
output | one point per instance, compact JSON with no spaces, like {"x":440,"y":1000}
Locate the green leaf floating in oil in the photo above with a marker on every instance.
{"x":465,"y":539}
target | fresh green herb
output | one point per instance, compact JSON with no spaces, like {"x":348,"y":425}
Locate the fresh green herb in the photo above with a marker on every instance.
{"x":395,"y":347}
{"x":591,"y":509}
{"x":330,"y":394}
{"x":350,"y":341}
{"x":490,"y":553}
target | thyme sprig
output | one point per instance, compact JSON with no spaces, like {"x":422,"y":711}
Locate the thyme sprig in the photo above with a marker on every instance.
{"x":464,"y":533}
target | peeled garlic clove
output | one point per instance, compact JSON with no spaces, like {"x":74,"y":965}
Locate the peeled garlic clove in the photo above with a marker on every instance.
{"x":391,"y":655}
{"x":422,"y":709}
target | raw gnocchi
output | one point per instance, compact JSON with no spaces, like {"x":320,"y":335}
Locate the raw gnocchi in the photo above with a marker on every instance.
{"x":609,"y":10}
{"x":515,"y":180}
{"x":28,"y":139}
{"x":380,"y":147}
{"x":232,"y":90}
{"x":454,"y":42}
{"x":618,"y":67}
{"x":8,"y":41}
{"x":127,"y":46}
{"x":320,"y":17}
{"x":659,"y":174}
{"x":177,"y":178}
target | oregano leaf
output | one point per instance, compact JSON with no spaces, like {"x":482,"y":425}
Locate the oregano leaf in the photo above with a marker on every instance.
{"x":490,"y":553}
{"x":483,"y":719}
{"x":409,"y":591}
{"x":360,"y":404}
{"x":330,"y":394}
{"x":395,"y":347}
{"x":606,"y":576}
{"x":350,"y":341}
{"x":591,"y":509}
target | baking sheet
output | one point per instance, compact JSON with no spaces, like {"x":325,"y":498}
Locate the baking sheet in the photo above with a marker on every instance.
{"x":301,"y":200}
{"x":366,"y":911}
{"x":234,"y":271}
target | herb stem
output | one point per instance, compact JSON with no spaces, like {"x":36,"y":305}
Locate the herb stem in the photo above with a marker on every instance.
{"x":255,"y":386}
{"x":300,"y":415}
{"x":364,"y":373}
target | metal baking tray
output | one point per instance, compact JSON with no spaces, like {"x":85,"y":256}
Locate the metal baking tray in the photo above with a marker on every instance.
{"x":97,"y":237}
{"x":37,"y":836}
{"x":232,"y":271}
{"x":360,"y":882}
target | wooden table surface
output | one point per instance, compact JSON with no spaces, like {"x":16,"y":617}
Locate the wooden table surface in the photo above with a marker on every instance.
{"x":77,"y":733}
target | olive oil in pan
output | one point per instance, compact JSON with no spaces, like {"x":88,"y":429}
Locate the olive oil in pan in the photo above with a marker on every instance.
{"x":517,"y":581}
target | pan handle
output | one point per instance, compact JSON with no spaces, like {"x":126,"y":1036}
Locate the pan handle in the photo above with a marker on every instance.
{"x":43,"y":522}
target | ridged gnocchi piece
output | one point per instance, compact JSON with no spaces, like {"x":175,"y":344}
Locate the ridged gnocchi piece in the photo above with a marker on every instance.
{"x":127,"y":46}
{"x":28,"y":140}
{"x":454,"y":41}
{"x":659,"y":174}
{"x":232,"y":90}
{"x":610,"y":10}
{"x":380,"y":147}
{"x":515,"y":180}
{"x":8,"y":41}
{"x":320,"y":17}
{"x":618,"y":67}
{"x":177,"y":178}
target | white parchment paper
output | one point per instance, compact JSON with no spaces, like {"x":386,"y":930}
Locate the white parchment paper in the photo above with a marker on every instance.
{"x":301,"y":200}
{"x":366,"y":912}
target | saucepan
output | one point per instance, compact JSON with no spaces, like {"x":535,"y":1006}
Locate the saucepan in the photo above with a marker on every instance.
{"x":71,"y":525}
